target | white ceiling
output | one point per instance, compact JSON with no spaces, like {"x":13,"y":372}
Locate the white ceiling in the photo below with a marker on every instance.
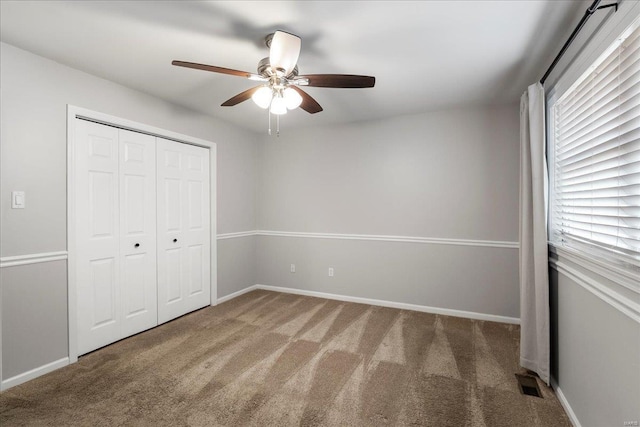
{"x":425,"y":55}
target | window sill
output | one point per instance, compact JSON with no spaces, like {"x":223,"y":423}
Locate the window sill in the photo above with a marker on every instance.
{"x":618,"y":274}
{"x":616,"y":286}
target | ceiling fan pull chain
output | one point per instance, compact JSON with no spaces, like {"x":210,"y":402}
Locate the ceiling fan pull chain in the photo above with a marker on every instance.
{"x":269,"y":114}
{"x":278,"y":125}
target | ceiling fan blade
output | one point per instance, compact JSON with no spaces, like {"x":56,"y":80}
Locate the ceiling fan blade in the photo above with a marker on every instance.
{"x":241,"y":97}
{"x":338,"y":80}
{"x":221,"y":70}
{"x":284,"y":51}
{"x":309,"y":104}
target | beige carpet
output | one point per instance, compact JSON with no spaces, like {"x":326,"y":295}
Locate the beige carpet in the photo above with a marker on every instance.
{"x":275,"y":359}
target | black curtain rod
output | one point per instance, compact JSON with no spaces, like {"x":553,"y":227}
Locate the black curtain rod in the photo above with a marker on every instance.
{"x":587,"y":14}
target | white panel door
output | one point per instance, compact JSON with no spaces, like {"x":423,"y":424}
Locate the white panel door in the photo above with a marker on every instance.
{"x":115,"y":183}
{"x":97,"y":231}
{"x":138,"y":232}
{"x":183,"y":229}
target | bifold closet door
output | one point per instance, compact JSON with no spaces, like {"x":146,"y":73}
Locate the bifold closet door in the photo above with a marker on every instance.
{"x":115,"y":185}
{"x":183,"y":229}
{"x":138,"y":250}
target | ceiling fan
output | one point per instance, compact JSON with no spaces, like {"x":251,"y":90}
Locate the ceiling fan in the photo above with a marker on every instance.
{"x":280,"y":89}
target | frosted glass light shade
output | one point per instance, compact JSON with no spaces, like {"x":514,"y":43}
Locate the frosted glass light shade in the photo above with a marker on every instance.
{"x":262,"y":97}
{"x":284,"y":52}
{"x":278,"y":105}
{"x":292,"y":98}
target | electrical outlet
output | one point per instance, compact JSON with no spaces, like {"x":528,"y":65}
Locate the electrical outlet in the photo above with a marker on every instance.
{"x":330,"y":271}
{"x":293,"y":268}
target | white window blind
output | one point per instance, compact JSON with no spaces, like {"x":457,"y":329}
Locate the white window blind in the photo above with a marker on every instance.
{"x":596,"y":133}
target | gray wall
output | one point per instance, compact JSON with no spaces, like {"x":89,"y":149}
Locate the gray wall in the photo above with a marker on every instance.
{"x":34,"y":316}
{"x":485,"y":281}
{"x":34,"y":97}
{"x":237,"y":256}
{"x":448,"y":174}
{"x":595,"y":349}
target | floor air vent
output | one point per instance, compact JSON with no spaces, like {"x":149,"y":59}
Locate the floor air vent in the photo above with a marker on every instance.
{"x":528,"y":385}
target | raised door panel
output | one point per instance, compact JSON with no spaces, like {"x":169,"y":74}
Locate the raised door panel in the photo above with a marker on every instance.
{"x":138,"y":231}
{"x":196,"y":280}
{"x":173,"y":270}
{"x":102,"y":284}
{"x":172,"y":205}
{"x":195,"y":193}
{"x":97,"y":235}
{"x":135,"y":295}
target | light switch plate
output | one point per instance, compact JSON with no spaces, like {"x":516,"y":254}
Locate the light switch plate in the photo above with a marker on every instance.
{"x":17,"y":200}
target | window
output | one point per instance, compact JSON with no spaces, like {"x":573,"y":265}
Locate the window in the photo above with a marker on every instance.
{"x":595,"y":132}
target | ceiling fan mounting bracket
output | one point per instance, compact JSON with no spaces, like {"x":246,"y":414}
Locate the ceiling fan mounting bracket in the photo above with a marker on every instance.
{"x":267,"y":40}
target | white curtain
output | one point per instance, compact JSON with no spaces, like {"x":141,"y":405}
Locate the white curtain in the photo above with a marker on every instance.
{"x":534,"y":263}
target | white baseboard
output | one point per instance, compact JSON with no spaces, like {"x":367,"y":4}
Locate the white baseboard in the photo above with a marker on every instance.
{"x":565,"y":404}
{"x":381,"y":303}
{"x":236,"y":294}
{"x":34,"y":373}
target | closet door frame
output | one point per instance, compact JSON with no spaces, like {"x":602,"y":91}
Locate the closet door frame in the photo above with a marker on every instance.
{"x":74,"y":113}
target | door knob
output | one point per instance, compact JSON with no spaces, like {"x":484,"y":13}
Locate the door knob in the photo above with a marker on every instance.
{"x":175,"y":240}
{"x":137,"y":245}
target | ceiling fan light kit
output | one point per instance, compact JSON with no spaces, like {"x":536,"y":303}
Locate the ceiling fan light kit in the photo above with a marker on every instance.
{"x":262,"y":97}
{"x":280,"y":90}
{"x":292,"y":98}
{"x":278,"y":105}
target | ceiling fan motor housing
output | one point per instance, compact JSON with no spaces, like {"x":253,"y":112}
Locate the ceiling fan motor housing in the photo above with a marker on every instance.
{"x":265,"y":70}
